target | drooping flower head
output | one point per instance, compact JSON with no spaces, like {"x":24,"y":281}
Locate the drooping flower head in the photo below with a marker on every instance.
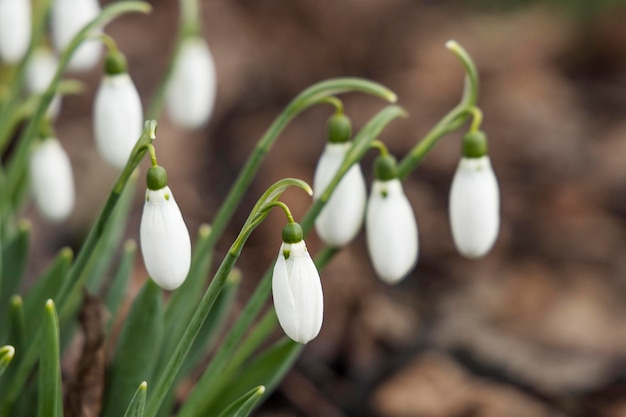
{"x":15,"y":29}
{"x":117,"y":114}
{"x":296,"y":288}
{"x":192,"y":88}
{"x":52,"y":180}
{"x":165,"y":242}
{"x":342,"y":216}
{"x":474,"y":199}
{"x":392,"y":238}
{"x":68,"y":17}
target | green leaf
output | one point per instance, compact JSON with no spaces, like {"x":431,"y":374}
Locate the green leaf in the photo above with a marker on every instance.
{"x":117,"y":290}
{"x":137,"y":350}
{"x":15,"y":258}
{"x":49,"y":367}
{"x":6,"y":356}
{"x":138,"y":403}
{"x":243,"y":406}
{"x":15,"y":337}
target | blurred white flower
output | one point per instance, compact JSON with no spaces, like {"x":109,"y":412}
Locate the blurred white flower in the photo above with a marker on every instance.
{"x":15,"y":29}
{"x":52,"y":180}
{"x":297,"y":293}
{"x":68,"y":17}
{"x":392,"y":239}
{"x":342,"y":216}
{"x":118,"y":118}
{"x":474,"y":207}
{"x":193,"y":85}
{"x":165,"y":242}
{"x":39,"y":75}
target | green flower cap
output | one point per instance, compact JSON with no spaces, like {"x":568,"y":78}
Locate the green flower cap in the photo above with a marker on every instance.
{"x":292,"y":233}
{"x":474,"y":144}
{"x":339,"y":128}
{"x":385,"y":168}
{"x":156,"y":178}
{"x":115,"y":63}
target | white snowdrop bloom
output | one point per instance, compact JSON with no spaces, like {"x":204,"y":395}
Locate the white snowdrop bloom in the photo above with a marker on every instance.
{"x":165,"y":242}
{"x":118,"y":118}
{"x":39,"y":75}
{"x":52,"y":180}
{"x":193,"y":85}
{"x":68,"y":17}
{"x":15,"y":29}
{"x":474,"y":207}
{"x":391,"y":229}
{"x":297,"y":292}
{"x":342,"y":216}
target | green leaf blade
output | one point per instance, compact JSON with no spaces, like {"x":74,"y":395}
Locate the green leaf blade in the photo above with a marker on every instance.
{"x":49,"y":365}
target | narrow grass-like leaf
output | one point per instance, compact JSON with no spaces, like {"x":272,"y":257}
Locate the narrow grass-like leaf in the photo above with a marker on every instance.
{"x":6,"y":356}
{"x":137,"y":350}
{"x":49,"y":366}
{"x":117,"y":290}
{"x":138,"y":403}
{"x":244,"y":405}
{"x":257,"y":336}
{"x":15,"y":258}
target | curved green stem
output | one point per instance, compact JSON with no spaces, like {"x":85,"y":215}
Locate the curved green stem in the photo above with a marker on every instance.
{"x":335,"y":102}
{"x":381,"y":147}
{"x":108,"y":41}
{"x":17,"y":166}
{"x":256,"y":217}
{"x":478,"y":119}
{"x":285,"y":209}
{"x":451,"y":121}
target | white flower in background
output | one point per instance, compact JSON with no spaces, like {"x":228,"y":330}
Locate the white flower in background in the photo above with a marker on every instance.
{"x":192,"y":87}
{"x":118,"y":118}
{"x":391,"y":231}
{"x":52,"y":180}
{"x":297,"y":291}
{"x":474,"y":207}
{"x":15,"y":29}
{"x":68,"y":17}
{"x":165,"y":242}
{"x":342,"y":216}
{"x":39,"y":75}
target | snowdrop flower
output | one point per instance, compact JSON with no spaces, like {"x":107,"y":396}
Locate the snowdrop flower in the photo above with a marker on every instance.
{"x":192,"y":87}
{"x":474,"y":200}
{"x":392,"y":239}
{"x":68,"y":17}
{"x":342,"y":216}
{"x":15,"y":28}
{"x":52,"y":180}
{"x":117,"y":114}
{"x":165,"y":242}
{"x":296,"y":288}
{"x":39,"y":75}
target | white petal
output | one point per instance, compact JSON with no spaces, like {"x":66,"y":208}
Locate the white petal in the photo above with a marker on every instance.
{"x":297,"y":293}
{"x":391,"y":231}
{"x":39,"y":75}
{"x":15,"y":28}
{"x":52,"y":180}
{"x":165,"y":243}
{"x":342,"y":216}
{"x":192,"y":87}
{"x":474,"y":207}
{"x":118,"y":118}
{"x":68,"y":17}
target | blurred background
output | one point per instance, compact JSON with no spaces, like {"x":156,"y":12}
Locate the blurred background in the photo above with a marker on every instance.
{"x":538,"y":326}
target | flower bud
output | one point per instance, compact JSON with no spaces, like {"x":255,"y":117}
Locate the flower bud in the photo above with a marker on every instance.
{"x":192,"y":87}
{"x":15,"y":29}
{"x":474,"y":207}
{"x":39,"y":75}
{"x":342,"y":216}
{"x":165,"y":242}
{"x":297,"y":292}
{"x":392,"y":239}
{"x":118,"y":118}
{"x":52,"y":180}
{"x":68,"y":17}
